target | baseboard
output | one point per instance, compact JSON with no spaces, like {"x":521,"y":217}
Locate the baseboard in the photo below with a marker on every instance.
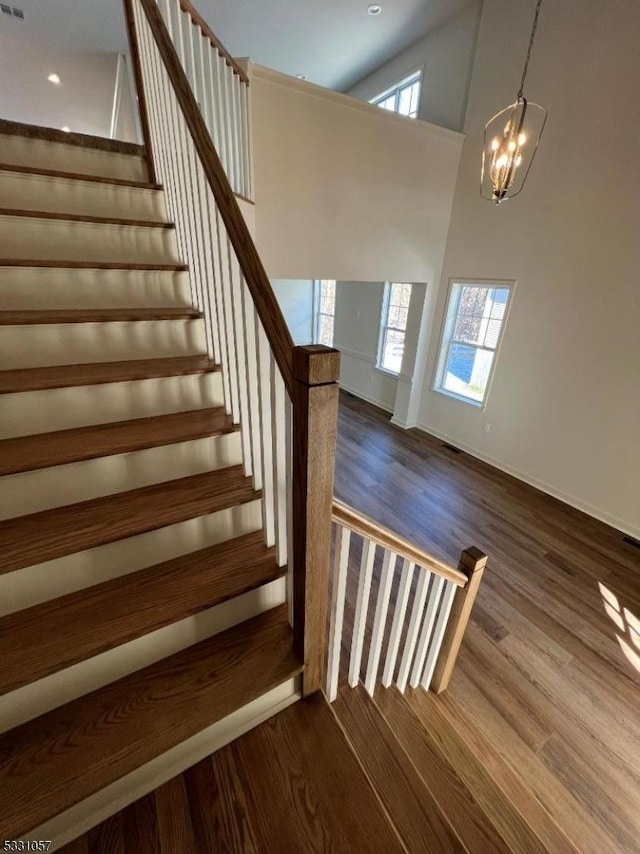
{"x":362,"y":396}
{"x":83,"y":816}
{"x":566,"y":498}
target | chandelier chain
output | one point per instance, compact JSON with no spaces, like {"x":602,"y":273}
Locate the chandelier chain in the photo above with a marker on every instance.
{"x":531,"y":40}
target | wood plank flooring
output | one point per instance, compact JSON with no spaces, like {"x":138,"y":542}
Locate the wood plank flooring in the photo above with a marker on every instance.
{"x":549,"y":673}
{"x":291,"y":785}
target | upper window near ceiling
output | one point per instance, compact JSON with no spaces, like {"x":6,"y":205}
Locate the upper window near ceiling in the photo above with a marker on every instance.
{"x":472,"y":332}
{"x":403,"y":98}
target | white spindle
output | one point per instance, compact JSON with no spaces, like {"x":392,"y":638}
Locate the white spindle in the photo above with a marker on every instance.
{"x":433,"y":601}
{"x":438,"y":634}
{"x":255,"y":426}
{"x":397,"y":625}
{"x":413,"y":631}
{"x":289,"y":466}
{"x":264,"y":387}
{"x":241,"y":359}
{"x":236,"y":129}
{"x":278,"y":412}
{"x":362,"y":608}
{"x":244,"y":119}
{"x":336,"y":620}
{"x":227,"y":304}
{"x":379,"y":620}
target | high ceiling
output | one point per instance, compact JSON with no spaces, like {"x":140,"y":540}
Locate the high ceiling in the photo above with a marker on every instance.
{"x":332,"y":42}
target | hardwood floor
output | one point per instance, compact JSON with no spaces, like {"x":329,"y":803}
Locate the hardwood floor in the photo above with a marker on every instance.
{"x":549,"y":672}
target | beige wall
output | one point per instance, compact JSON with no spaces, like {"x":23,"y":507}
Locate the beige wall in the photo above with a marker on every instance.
{"x":345,"y":191}
{"x":564,"y":409}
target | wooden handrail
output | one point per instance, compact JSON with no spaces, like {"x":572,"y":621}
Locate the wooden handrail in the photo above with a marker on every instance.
{"x":264,"y":299}
{"x":199,"y":21}
{"x":344,"y":515}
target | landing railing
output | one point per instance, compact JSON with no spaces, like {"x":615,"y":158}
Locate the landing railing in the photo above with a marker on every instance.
{"x":285,"y":398}
{"x":431,"y":636}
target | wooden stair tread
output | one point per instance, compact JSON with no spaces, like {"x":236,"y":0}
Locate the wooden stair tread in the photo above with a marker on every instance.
{"x":96,"y":373}
{"x":31,"y":317}
{"x":85,"y":218}
{"x":53,"y":762}
{"x":56,"y":634}
{"x":41,"y":450}
{"x":43,"y":536}
{"x":431,"y":811}
{"x":77,"y":176}
{"x":502,"y":793}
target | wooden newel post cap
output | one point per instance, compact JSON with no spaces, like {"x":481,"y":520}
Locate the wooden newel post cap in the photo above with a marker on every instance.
{"x":472,"y":560}
{"x":315,"y":364}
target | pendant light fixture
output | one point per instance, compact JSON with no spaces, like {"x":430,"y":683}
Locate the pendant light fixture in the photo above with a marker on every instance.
{"x":511,"y":138}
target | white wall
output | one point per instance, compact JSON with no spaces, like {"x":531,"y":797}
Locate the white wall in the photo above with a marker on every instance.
{"x":83,"y":100}
{"x":295,"y":297}
{"x":345,"y":191}
{"x":564,"y":407}
{"x":446,"y":57}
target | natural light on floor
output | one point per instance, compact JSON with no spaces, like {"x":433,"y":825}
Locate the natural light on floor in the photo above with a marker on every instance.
{"x":626,"y":622}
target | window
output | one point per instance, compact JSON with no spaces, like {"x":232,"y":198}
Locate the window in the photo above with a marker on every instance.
{"x":393,"y":326}
{"x":472,"y":331}
{"x":403,"y":98}
{"x":324,"y":311}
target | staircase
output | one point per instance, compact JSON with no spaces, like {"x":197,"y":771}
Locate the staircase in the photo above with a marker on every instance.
{"x":140,"y":605}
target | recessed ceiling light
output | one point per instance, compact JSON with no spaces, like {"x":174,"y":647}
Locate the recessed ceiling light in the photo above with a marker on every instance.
{"x":53,"y":78}
{"x":374,"y":9}
{"x":66,"y":129}
{"x":301,"y":76}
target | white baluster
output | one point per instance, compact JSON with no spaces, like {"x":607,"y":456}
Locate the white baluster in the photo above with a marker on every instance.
{"x":227,"y":303}
{"x":413,"y":631}
{"x":209,"y":55}
{"x":379,"y":620}
{"x":227,"y":87}
{"x":244,"y":130}
{"x":397,"y":625}
{"x":278,"y":410}
{"x":236,"y":131}
{"x":438,"y":634}
{"x":362,"y":608}
{"x":266,"y":420}
{"x":336,"y":620}
{"x":252,"y":384}
{"x":289,"y":469}
{"x":433,"y":601}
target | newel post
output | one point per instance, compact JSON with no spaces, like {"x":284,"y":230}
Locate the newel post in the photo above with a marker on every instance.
{"x":472,"y":563}
{"x":315,"y":421}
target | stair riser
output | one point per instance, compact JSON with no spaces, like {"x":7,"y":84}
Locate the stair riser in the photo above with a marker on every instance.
{"x":25,"y":238}
{"x":60,"y":195}
{"x":81,"y":343}
{"x":24,"y":288}
{"x":40,"y":153}
{"x":64,"y":408}
{"x":54,"y":578}
{"x":44,"y":489}
{"x":63,"y":687}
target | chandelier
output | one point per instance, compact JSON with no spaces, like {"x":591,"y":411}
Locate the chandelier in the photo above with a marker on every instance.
{"x":511,"y":138}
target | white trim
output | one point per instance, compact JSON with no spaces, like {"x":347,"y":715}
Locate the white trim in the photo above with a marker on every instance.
{"x":312,"y":89}
{"x":565,"y":497}
{"x":88,"y":813}
{"x":447,"y":320}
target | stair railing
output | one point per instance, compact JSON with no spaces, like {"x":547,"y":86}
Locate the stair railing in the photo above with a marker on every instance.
{"x":443,"y":597}
{"x":285,"y":398}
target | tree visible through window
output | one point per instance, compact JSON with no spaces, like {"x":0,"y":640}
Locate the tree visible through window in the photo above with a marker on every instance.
{"x":325,"y":311}
{"x":472,"y":331}
{"x":393,"y":325}
{"x":403,"y":98}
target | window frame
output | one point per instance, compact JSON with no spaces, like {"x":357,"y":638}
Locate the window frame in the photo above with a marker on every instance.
{"x":445,"y":341}
{"x":317,"y":313}
{"x":416,"y":76}
{"x":384,"y":327}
